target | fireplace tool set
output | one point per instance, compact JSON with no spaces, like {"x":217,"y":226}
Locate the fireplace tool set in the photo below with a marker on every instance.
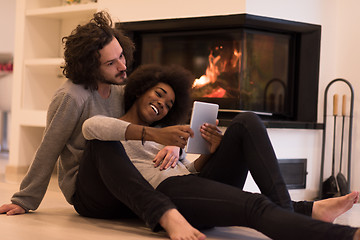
{"x":339,"y":185}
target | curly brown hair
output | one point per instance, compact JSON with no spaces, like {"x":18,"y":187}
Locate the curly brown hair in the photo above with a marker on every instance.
{"x":148,"y":76}
{"x":82,"y":46}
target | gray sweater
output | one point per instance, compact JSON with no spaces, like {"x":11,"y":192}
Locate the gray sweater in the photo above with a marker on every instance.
{"x":63,"y":139}
{"x":111,"y":129}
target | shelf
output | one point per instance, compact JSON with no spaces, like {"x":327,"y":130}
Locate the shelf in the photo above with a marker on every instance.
{"x":44,"y":62}
{"x":50,"y":65}
{"x":32,"y":118}
{"x":63,"y":12}
{"x":41,"y":25}
{"x":282,"y":124}
{"x":46,"y":65}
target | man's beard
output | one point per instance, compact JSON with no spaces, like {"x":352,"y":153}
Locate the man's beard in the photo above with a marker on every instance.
{"x":103,"y":80}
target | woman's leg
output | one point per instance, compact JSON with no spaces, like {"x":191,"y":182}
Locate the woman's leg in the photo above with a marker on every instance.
{"x":246,"y":146}
{"x":206,"y":203}
{"x":109,"y":186}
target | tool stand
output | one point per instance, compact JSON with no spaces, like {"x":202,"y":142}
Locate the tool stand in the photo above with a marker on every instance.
{"x":349,"y":134}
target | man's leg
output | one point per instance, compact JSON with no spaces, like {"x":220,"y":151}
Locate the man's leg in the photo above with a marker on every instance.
{"x":109,"y":186}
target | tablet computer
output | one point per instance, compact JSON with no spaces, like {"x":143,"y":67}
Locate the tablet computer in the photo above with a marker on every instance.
{"x":202,"y":113}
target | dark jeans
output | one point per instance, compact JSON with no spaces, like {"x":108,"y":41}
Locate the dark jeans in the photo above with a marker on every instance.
{"x":108,"y":186}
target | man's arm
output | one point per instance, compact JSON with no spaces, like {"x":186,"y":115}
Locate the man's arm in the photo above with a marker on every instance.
{"x":11,"y":209}
{"x":34,"y":184}
{"x":167,"y":157}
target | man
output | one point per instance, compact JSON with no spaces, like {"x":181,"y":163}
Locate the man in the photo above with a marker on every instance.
{"x":96,"y":60}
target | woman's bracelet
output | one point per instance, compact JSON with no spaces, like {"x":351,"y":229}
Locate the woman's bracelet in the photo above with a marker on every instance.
{"x":143,"y":133}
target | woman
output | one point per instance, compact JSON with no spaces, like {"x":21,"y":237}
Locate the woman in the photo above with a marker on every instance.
{"x":208,"y":192}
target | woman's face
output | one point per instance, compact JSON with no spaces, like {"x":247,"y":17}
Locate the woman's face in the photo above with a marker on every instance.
{"x":155,"y":103}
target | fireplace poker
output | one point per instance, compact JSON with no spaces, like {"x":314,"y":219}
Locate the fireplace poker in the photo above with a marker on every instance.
{"x":330,"y":185}
{"x":341,"y":180}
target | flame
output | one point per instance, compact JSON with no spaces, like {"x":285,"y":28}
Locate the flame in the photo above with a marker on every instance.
{"x":216,"y":66}
{"x":211,"y":73}
{"x":217,"y":93}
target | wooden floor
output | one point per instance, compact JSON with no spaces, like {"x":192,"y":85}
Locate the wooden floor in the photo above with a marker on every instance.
{"x":55,"y":219}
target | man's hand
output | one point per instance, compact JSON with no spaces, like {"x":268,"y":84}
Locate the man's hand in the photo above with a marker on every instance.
{"x":11,"y":209}
{"x":212,"y":135}
{"x":166,"y":157}
{"x":171,"y":136}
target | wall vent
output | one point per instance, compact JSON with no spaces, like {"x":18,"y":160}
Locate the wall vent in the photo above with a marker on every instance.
{"x":294,"y":172}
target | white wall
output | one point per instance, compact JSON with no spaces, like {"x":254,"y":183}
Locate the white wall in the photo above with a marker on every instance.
{"x":339,"y":49}
{"x":347,"y":52}
{"x":325,"y":13}
{"x":137,"y":10}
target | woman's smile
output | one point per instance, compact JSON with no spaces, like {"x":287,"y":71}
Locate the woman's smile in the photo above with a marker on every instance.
{"x":156,"y":110}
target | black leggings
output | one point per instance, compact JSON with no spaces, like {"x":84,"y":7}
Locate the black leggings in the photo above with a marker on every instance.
{"x":216,"y":198}
{"x":207,"y":203}
{"x":108,"y":186}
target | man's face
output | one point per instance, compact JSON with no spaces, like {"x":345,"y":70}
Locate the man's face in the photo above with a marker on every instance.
{"x":113,"y":63}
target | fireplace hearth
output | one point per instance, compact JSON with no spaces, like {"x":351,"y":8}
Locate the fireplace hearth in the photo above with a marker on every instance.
{"x":242,"y":62}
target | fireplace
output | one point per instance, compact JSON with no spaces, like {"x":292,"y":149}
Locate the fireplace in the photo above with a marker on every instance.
{"x":242,"y":62}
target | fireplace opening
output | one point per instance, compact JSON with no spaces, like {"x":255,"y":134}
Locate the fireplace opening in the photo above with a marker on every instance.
{"x":241,"y":62}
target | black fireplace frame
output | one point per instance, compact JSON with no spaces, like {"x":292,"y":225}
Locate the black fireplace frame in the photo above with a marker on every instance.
{"x":306,"y":39}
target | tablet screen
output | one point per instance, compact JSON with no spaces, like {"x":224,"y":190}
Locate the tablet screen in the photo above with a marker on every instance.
{"x":202,"y":113}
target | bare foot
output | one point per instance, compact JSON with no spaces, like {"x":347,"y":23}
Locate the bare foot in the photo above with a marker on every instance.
{"x":329,"y":209}
{"x":178,"y":228}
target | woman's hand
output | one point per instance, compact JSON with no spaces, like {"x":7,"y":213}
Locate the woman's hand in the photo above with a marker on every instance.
{"x":170,"y":136}
{"x":11,"y":209}
{"x":212,"y":134}
{"x":166,"y":157}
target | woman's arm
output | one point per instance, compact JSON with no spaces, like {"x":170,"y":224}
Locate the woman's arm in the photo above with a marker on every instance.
{"x":168,"y":136}
{"x":104,"y":128}
{"x":112,"y":129}
{"x":200,"y":161}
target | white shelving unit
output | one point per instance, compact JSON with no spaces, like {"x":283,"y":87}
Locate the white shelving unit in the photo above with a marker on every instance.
{"x":40,"y":27}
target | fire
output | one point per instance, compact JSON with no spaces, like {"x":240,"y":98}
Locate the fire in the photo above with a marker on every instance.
{"x":217,"y":65}
{"x":211,"y":73}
